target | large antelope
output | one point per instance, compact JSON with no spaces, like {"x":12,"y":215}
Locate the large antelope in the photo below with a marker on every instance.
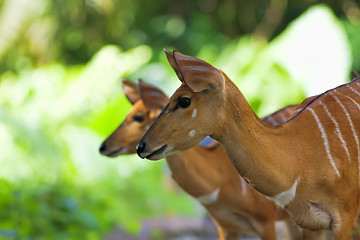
{"x":204,"y":173}
{"x":310,"y":164}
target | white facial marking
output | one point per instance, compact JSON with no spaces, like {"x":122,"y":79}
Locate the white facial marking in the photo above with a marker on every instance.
{"x":147,"y":127}
{"x":326,"y":141}
{"x":194,"y":112}
{"x":284,"y":198}
{"x":211,"y":198}
{"x":192,"y":133}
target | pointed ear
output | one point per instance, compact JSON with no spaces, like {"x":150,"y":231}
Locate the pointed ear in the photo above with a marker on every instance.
{"x":153,"y":98}
{"x":171,"y":60}
{"x":197,"y":74}
{"x":131,"y":91}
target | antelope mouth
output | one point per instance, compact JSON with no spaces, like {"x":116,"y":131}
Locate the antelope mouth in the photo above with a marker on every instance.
{"x":157,"y":154}
{"x":115,"y":153}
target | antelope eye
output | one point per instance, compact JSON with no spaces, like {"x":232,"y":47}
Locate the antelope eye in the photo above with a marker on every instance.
{"x":139,"y":118}
{"x":183,"y":102}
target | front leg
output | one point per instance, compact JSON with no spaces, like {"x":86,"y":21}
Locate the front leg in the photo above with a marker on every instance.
{"x":233,"y":236}
{"x":225,"y":235}
{"x":268,"y":231}
{"x":344,"y":228}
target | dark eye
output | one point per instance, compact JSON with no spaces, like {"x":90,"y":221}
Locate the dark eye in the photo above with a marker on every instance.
{"x":139,"y":118}
{"x":183,"y":102}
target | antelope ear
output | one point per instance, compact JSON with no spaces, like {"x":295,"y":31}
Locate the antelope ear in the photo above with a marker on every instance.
{"x":197,"y":74}
{"x":131,"y":91}
{"x":171,"y":60}
{"x":152,"y":97}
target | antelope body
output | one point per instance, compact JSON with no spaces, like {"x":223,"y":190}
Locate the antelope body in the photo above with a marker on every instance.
{"x":204,"y":173}
{"x":310,"y":164}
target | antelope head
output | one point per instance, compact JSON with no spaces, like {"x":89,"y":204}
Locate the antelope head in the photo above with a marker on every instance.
{"x":187,"y":119}
{"x":148,"y":101}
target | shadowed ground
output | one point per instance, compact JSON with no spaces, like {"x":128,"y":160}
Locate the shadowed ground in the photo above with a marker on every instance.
{"x":181,"y":228}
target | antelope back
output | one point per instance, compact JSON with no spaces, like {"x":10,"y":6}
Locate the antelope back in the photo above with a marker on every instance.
{"x":281,"y":116}
{"x":147,"y":103}
{"x":334,"y":116}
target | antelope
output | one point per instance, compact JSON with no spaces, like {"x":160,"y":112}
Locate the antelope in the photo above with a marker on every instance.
{"x":310,"y":164}
{"x":205,"y":173}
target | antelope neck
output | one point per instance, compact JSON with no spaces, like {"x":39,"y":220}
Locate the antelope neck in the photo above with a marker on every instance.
{"x":263,"y":155}
{"x":187,"y":169}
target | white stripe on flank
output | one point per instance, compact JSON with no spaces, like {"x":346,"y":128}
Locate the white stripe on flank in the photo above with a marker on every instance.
{"x":352,"y":89}
{"x":358,"y":106}
{"x":326,"y":142}
{"x":211,"y":198}
{"x":338,"y":131}
{"x":284,"y":198}
{"x":350,"y":121}
{"x":296,"y":111}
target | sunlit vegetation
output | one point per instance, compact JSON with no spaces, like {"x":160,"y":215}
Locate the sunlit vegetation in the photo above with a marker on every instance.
{"x":61,"y":63}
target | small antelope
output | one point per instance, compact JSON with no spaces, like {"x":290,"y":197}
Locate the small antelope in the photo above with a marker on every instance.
{"x":204,"y":173}
{"x":310,"y":165}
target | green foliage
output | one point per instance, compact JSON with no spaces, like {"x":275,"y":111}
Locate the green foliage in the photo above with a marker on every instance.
{"x":353,"y":30}
{"x":60,"y":95}
{"x":70,"y":210}
{"x":55,"y":185}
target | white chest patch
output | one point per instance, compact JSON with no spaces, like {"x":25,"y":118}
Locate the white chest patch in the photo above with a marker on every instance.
{"x":243,"y":186}
{"x":284,"y":198}
{"x":208,"y":199}
{"x":192,"y":133}
{"x":194,"y":112}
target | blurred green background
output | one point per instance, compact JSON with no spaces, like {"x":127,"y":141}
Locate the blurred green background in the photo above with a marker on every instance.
{"x":61,"y":62}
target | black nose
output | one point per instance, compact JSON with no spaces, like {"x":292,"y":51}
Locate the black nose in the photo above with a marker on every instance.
{"x":102,"y":148}
{"x":140,"y":148}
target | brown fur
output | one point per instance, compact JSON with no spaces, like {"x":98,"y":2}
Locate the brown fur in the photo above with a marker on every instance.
{"x":199,"y":171}
{"x":271,"y":158}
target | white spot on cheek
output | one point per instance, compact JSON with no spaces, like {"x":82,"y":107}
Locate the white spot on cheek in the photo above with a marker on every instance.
{"x":147,"y":127}
{"x":194,"y":112}
{"x":192,"y":133}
